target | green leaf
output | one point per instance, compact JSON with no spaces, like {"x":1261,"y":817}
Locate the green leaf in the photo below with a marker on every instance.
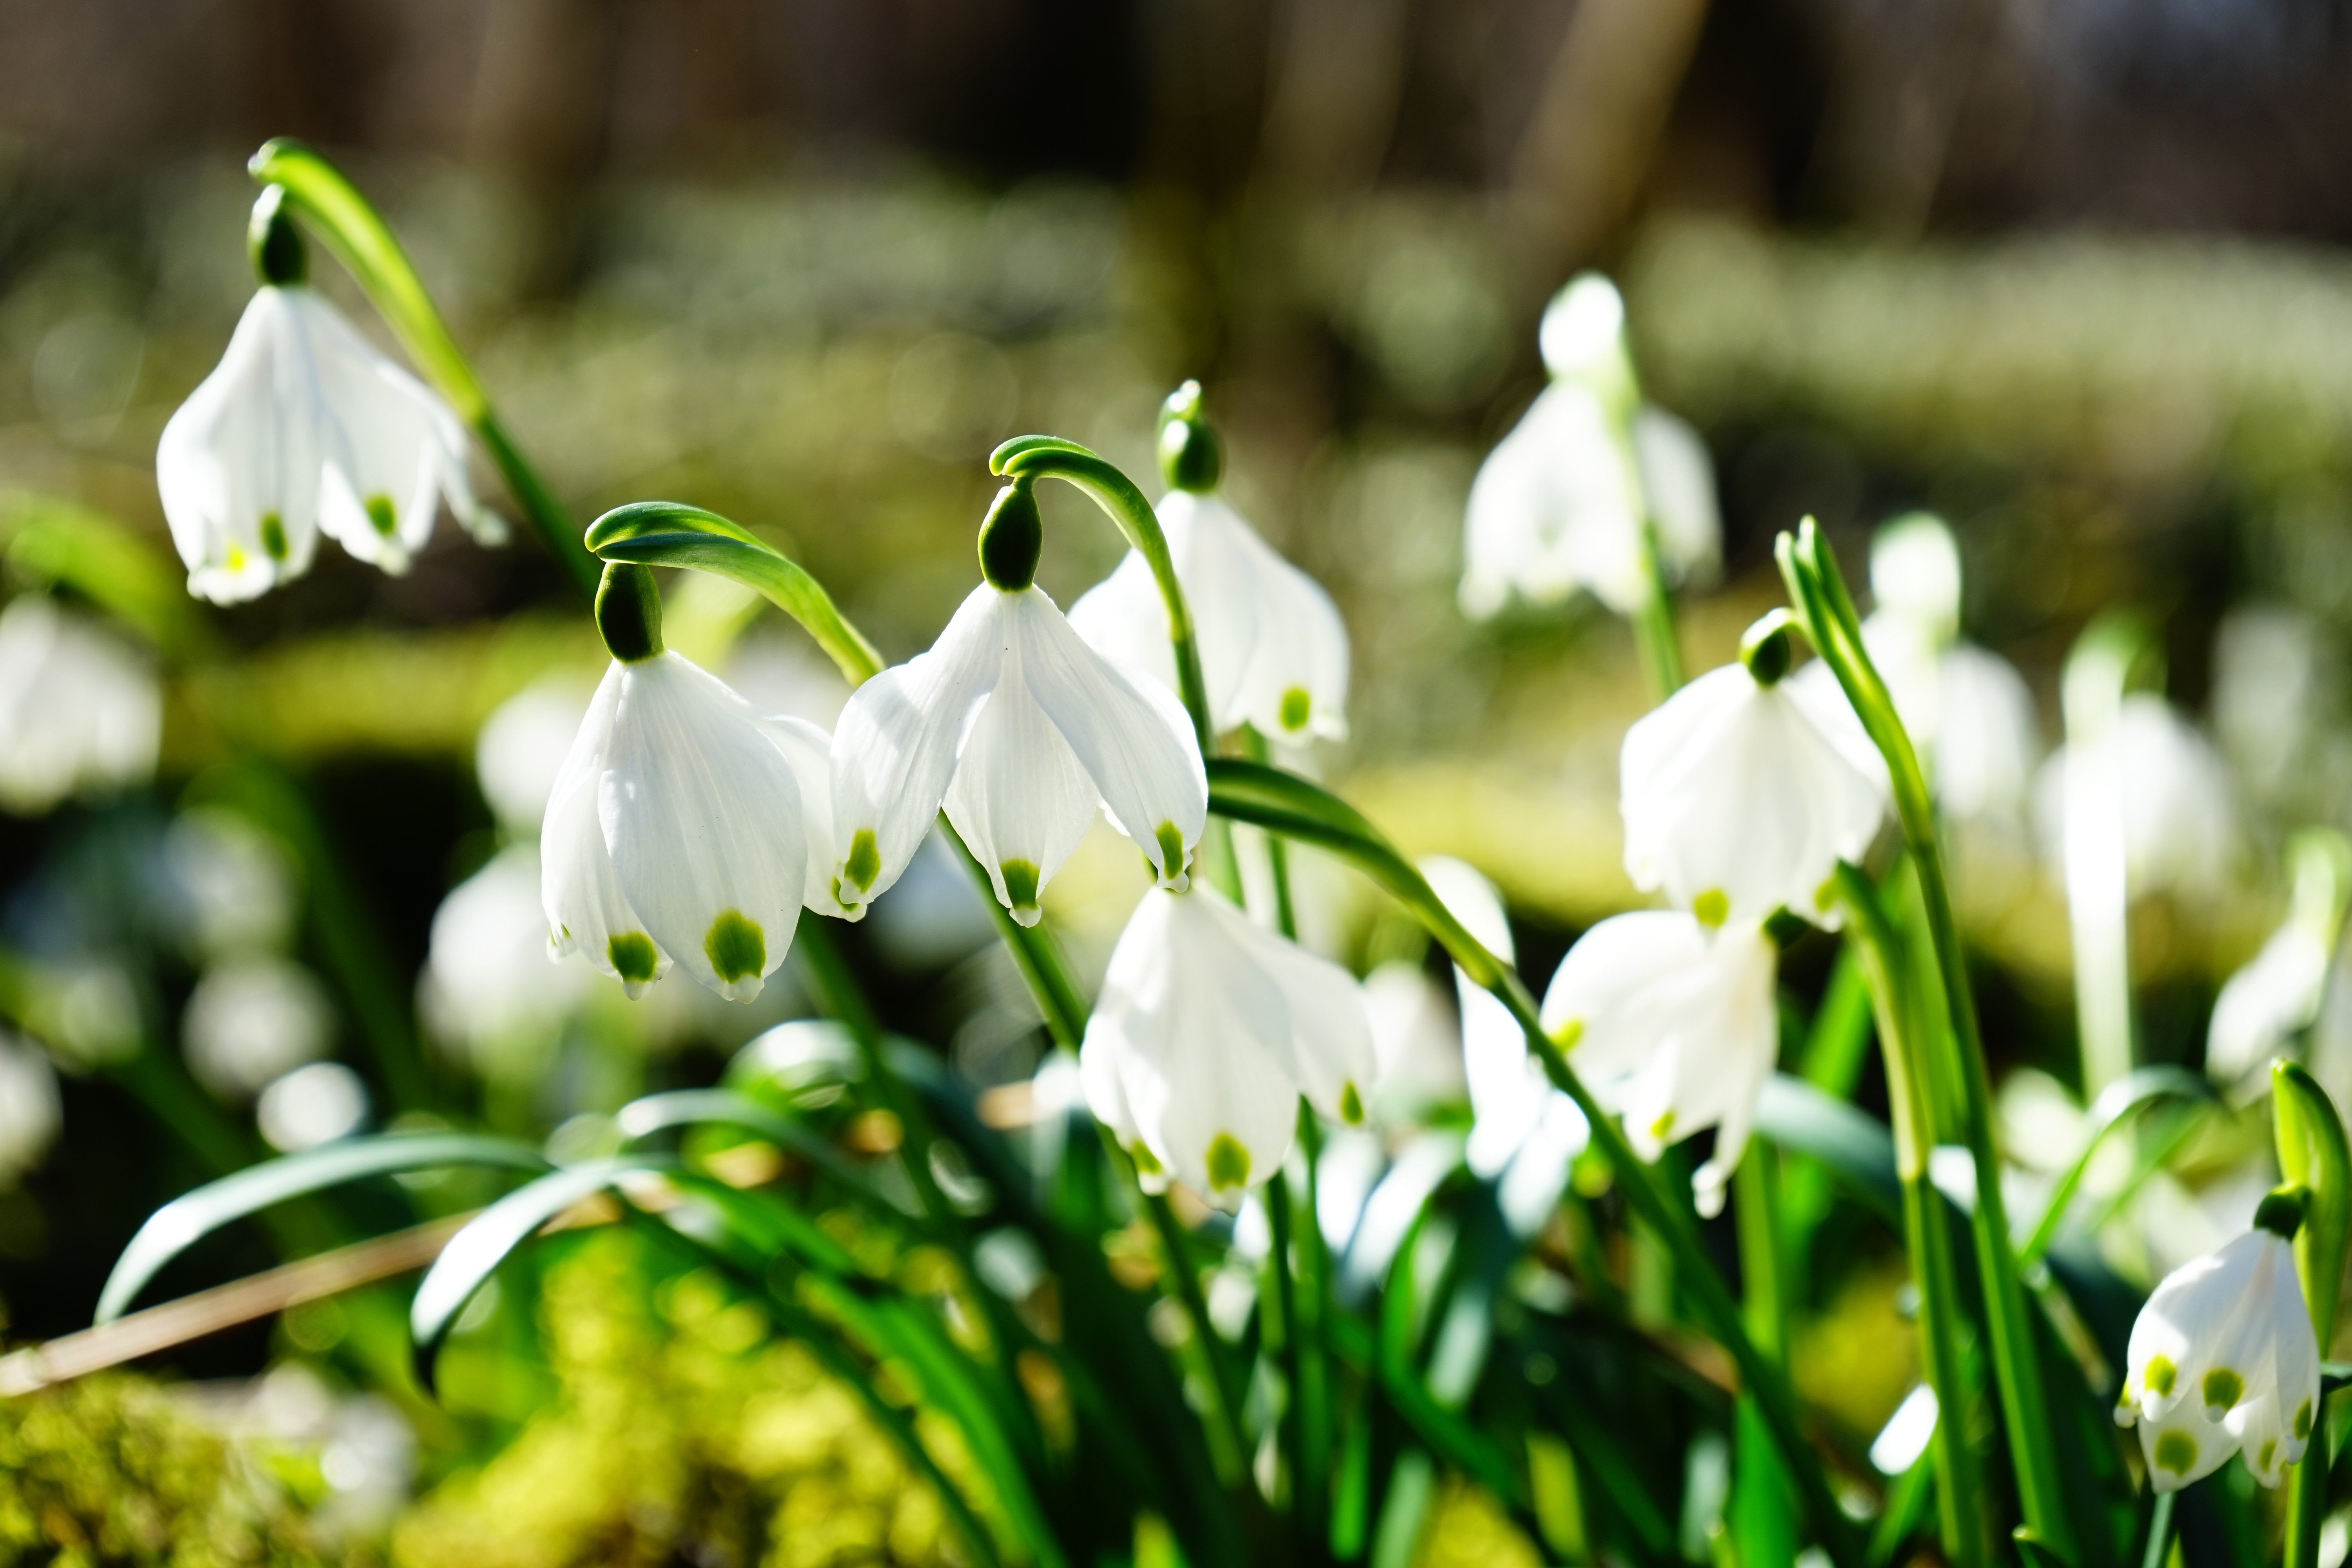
{"x":656,"y":1114}
{"x":180,"y":1223}
{"x":2113,"y":1107}
{"x":1853,"y":1144}
{"x":474,"y":1253}
{"x":670,"y":533}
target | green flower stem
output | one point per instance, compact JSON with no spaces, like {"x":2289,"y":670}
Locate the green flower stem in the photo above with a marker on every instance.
{"x":366,"y":246}
{"x":1040,"y":457}
{"x":1653,"y":624}
{"x":2312,"y":1151}
{"x":1761,"y":1508}
{"x":2098,"y":898}
{"x":1286,"y":804}
{"x":1314,"y":1422}
{"x":1877,"y":948}
{"x":1821,"y":600}
{"x":2160,"y":1533}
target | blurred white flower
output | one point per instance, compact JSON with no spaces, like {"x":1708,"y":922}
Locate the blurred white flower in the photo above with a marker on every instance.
{"x":1583,"y":334}
{"x":2264,"y":1004}
{"x":1915,"y":574}
{"x":520,"y":750}
{"x":1524,"y":1132}
{"x":1741,"y":797}
{"x":80,"y":711}
{"x":1021,"y":729}
{"x":486,"y":980}
{"x":252,"y":1020}
{"x":1274,"y":652}
{"x":2273,"y":683}
{"x":231,"y":885}
{"x":1417,"y":1041}
{"x":1672,"y":1025}
{"x":2179,"y":816}
{"x":777,"y":674}
{"x":684,"y":827}
{"x":1208,"y":1031}
{"x":310,"y":1106}
{"x":2223,"y":1360}
{"x":305,"y":426}
{"x":29,"y":1113}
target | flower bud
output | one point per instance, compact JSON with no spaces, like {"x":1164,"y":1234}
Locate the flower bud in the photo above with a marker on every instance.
{"x":1190,"y":455}
{"x":1764,"y":648}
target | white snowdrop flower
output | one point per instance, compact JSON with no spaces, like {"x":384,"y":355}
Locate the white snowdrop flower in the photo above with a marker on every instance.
{"x":487,"y":980}
{"x":80,"y":711}
{"x":2179,"y":812}
{"x":1741,"y":796}
{"x":1914,"y":573}
{"x":521,"y":748}
{"x":2263,"y":1005}
{"x":29,"y":1113}
{"x":2223,"y":1359}
{"x":1523,"y":1132}
{"x":253,"y":1020}
{"x":304,"y":427}
{"x":681,"y":826}
{"x":1417,"y":1042}
{"x":1583,"y":335}
{"x":1274,"y":652}
{"x":1208,"y":1031}
{"x":1021,"y":731}
{"x":1672,"y":1025}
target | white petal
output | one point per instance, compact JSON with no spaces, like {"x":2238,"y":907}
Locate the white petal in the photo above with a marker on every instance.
{"x":894,"y":749}
{"x":1988,"y":735}
{"x":1132,"y":738}
{"x":809,"y":751}
{"x":1556,"y":506}
{"x":1220,"y":589}
{"x":1678,"y":480}
{"x":1294,"y":685}
{"x":2183,"y":1447}
{"x":703,"y":818}
{"x":1331,"y":1057}
{"x":1122,"y":618}
{"x":586,"y":911}
{"x":2296,"y":1370}
{"x":1019,"y":797}
{"x":78,"y":711}
{"x":2175,"y":1332}
{"x":1617,"y":992}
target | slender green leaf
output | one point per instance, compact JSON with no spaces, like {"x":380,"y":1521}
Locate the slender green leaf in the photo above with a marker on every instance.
{"x":180,"y":1223}
{"x":2111,"y":1109}
{"x":1851,"y":1143}
{"x":474,"y":1252}
{"x":670,"y":533}
{"x":656,"y":1114}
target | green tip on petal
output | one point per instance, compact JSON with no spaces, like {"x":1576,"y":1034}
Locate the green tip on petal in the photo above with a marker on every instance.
{"x":380,"y":515}
{"x":1145,"y":1160}
{"x":737,"y":948}
{"x":865,"y":862}
{"x":2176,"y":1451}
{"x":2269,"y":1453}
{"x":2303,"y":1421}
{"x":1297,"y":707}
{"x":633,"y":957}
{"x":1664,"y":1127}
{"x":1569,"y":1034}
{"x":1171,"y":854}
{"x":273,"y":536}
{"x":2222,"y":1390}
{"x":2162,"y":1374}
{"x":1020,"y":886}
{"x":1229,"y":1163}
{"x":1711,"y":908}
{"x":1351,"y":1104}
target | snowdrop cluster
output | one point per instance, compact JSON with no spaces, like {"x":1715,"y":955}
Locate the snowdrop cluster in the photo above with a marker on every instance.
{"x":1564,"y":501}
{"x":1740,"y":794}
{"x":304,"y":428}
{"x":2223,"y":1360}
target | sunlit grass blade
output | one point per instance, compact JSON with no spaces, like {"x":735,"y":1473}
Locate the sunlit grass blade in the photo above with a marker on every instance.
{"x":180,"y":1223}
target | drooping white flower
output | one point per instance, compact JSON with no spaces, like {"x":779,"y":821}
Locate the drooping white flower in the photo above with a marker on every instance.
{"x":683,"y":828}
{"x":1021,"y":731}
{"x":305,"y":426}
{"x":1208,"y":1031}
{"x":78,"y":711}
{"x":2172,"y":795}
{"x":1672,"y":1025}
{"x":487,"y":983}
{"x":2223,"y":1361}
{"x":1274,"y":651}
{"x":1740,"y":797}
{"x":1524,"y":1132}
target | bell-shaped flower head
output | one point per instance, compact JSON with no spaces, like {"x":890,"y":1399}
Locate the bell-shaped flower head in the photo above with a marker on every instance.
{"x":2175,"y":805}
{"x":680,"y":826}
{"x":1672,"y":1025}
{"x":2265,"y":1005}
{"x":78,"y":711}
{"x":1021,"y":731}
{"x":1741,"y":793}
{"x":2223,"y":1360}
{"x":1209,"y":1029}
{"x":304,"y":427}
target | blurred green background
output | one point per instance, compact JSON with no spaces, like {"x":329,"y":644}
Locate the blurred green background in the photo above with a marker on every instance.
{"x":2071,"y":276}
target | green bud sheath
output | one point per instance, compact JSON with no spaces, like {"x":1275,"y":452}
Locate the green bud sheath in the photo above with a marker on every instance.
{"x":1012,"y":536}
{"x":274,"y":243}
{"x":2282,"y":1210}
{"x":628,"y":611}
{"x":1190,"y":455}
{"x":1765,"y":648}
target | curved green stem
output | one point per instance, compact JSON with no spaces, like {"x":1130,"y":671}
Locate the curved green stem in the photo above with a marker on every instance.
{"x":1040,"y":457}
{"x":366,"y":246}
{"x":1286,"y":804}
{"x":2312,"y":1151}
{"x":1820,"y":596}
{"x":670,"y":533}
{"x":1878,"y":949}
